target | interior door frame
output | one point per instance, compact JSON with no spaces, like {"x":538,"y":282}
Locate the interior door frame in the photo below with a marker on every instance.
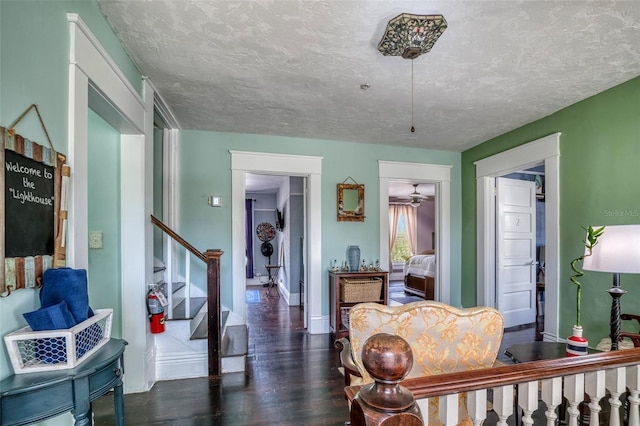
{"x":544,"y":150}
{"x":431,"y":173}
{"x":96,"y":82}
{"x":243,"y":162}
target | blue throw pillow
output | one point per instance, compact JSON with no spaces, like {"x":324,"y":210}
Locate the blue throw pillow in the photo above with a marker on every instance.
{"x":54,"y":317}
{"x":69,"y":285}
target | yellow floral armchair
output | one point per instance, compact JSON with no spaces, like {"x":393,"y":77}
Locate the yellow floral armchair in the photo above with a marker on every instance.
{"x":443,"y":339}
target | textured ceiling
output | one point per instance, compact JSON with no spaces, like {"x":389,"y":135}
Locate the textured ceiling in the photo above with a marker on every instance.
{"x":294,"y":68}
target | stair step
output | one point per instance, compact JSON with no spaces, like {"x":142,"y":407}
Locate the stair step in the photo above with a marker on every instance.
{"x":196,"y":304}
{"x":235,"y":342}
{"x":201,"y":330}
{"x":177,"y":286}
{"x":223,"y":320}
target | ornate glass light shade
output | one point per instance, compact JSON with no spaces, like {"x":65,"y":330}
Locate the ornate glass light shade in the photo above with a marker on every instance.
{"x":410,"y":35}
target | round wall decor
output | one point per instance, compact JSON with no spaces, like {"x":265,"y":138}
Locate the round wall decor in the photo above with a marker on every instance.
{"x":266,"y":231}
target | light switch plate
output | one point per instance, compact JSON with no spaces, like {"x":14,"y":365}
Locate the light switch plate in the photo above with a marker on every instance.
{"x":215,"y":201}
{"x":95,"y":239}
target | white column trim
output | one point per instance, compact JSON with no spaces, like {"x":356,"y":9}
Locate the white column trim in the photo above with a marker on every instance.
{"x":95,"y":80}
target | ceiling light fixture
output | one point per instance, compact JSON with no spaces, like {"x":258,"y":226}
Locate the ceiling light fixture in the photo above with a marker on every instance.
{"x":416,"y":197}
{"x":410,"y":36}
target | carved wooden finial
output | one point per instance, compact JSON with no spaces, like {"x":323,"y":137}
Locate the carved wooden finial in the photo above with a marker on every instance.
{"x":388,"y":359}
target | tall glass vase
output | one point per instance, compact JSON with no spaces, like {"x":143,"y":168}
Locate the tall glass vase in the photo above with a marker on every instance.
{"x":353,"y":256}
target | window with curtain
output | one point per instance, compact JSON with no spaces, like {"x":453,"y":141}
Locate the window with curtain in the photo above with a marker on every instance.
{"x":401,"y":249}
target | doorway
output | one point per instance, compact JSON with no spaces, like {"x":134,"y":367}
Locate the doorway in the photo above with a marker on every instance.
{"x":542,"y":151}
{"x":412,"y":214}
{"x":276,"y":203}
{"x":243,"y":163}
{"x":440,"y":176}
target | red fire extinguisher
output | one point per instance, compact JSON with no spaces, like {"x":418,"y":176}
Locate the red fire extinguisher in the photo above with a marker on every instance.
{"x":155,"y":311}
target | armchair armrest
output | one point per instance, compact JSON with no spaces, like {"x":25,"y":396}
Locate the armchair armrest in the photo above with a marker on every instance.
{"x":634,"y":337}
{"x":350,"y":368}
{"x":630,"y":317}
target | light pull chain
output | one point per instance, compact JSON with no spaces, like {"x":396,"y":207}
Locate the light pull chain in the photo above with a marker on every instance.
{"x":413,"y":129}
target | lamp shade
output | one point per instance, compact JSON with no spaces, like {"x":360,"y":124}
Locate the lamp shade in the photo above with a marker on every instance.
{"x":617,"y":251}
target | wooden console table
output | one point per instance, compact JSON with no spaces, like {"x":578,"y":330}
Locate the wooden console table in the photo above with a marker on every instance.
{"x":336,"y":326}
{"x":33,"y":397}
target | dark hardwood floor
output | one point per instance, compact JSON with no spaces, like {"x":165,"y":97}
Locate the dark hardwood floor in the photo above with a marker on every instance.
{"x":292,"y":378}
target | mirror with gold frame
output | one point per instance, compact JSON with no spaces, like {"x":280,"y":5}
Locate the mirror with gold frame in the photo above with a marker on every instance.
{"x":350,"y":202}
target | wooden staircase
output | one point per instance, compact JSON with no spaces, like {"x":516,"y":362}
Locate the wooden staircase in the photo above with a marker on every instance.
{"x":187,"y":340}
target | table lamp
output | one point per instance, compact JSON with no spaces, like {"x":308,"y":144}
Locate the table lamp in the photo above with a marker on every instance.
{"x":618,"y":252}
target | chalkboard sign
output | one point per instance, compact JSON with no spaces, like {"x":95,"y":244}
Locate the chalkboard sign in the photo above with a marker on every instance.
{"x":31,"y":219}
{"x":29,"y":206}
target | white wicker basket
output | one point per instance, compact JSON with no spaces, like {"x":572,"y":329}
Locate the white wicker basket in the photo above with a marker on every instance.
{"x":32,"y":351}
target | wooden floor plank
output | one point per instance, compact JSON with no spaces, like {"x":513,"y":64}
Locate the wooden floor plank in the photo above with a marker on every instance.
{"x":292,"y":378}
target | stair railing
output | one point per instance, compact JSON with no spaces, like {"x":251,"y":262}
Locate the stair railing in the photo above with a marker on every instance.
{"x":214,"y":319}
{"x":548,"y":387}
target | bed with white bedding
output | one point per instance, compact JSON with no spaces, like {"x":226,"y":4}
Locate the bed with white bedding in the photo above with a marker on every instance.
{"x":419,"y":274}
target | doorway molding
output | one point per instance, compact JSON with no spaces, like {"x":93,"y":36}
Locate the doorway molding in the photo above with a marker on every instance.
{"x":544,"y":150}
{"x":425,"y":173}
{"x":96,"y":82}
{"x":243,"y":162}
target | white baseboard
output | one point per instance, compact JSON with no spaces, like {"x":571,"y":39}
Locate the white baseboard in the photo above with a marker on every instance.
{"x":178,"y":357}
{"x":181,"y":366}
{"x":318,"y":325}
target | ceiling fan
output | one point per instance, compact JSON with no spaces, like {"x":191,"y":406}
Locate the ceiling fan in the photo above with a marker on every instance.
{"x":416,"y":198}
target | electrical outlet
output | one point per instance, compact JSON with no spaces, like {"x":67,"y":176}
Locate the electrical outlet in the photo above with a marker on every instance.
{"x":95,"y":239}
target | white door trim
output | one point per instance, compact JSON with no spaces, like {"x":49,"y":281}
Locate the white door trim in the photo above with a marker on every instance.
{"x":546,"y":150}
{"x":290,"y":165}
{"x":96,"y":81}
{"x":431,"y":173}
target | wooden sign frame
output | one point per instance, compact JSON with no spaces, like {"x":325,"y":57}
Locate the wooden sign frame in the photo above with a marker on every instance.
{"x":26,"y":271}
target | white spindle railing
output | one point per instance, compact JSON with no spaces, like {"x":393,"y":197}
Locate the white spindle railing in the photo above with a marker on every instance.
{"x":168,"y":275}
{"x":172,"y":244}
{"x":187,"y":283}
{"x":613,"y":374}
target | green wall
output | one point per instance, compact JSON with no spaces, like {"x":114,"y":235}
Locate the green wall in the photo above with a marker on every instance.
{"x":104,"y":216}
{"x":599,"y":185}
{"x":205,"y":169}
{"x":157,"y":194}
{"x":34,"y":68}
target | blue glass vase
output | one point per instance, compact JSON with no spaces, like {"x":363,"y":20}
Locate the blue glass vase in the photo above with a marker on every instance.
{"x":353,"y":256}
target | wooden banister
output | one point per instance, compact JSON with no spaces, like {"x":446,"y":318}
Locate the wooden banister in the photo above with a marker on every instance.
{"x":214,"y":315}
{"x":170,"y":232}
{"x":445,"y":385}
{"x":214,"y":335}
